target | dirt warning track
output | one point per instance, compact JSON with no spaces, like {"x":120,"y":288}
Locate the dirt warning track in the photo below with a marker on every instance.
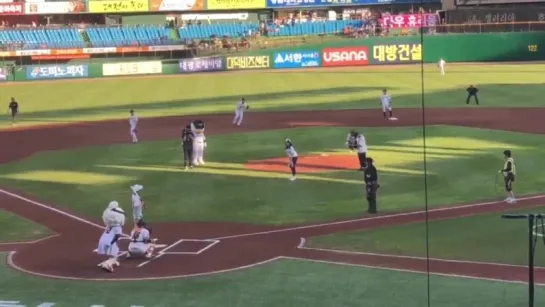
{"x":200,"y":248}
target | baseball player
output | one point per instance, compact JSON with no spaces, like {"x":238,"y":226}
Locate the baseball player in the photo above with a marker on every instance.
{"x":14,"y":109}
{"x":137,"y":203}
{"x":142,"y":245}
{"x":107,"y":244}
{"x":441,"y":66}
{"x":133,"y":122}
{"x":292,"y":155}
{"x":386,"y":102}
{"x":239,"y":111}
{"x":356,"y":141}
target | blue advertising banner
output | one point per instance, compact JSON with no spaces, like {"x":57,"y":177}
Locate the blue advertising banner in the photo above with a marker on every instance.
{"x":297,"y":59}
{"x":57,"y":71}
{"x":303,"y":3}
{"x":201,"y":64}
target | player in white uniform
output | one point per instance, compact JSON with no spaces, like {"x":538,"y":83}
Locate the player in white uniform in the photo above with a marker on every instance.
{"x":142,"y":245}
{"x":386,"y":102}
{"x":107,"y":244}
{"x":441,"y":66}
{"x":239,"y":111}
{"x":292,"y":155}
{"x":137,"y":203}
{"x":356,"y":141}
{"x":133,"y":122}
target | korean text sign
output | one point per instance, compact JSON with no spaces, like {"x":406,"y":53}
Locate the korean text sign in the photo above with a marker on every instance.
{"x":397,"y":53}
{"x":297,"y":59}
{"x":119,"y":6}
{"x":345,"y":56}
{"x":132,"y":68}
{"x":235,"y":4}
{"x":248,"y":62}
{"x":201,"y":64}
{"x":13,"y":8}
{"x":409,"y":20}
{"x":57,"y":71}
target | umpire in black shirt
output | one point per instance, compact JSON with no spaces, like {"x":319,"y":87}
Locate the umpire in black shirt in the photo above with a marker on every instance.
{"x":472,"y":92}
{"x":371,"y":184}
{"x":187,"y":145}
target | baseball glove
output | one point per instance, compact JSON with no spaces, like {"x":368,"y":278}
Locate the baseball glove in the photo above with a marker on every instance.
{"x":247,"y":107}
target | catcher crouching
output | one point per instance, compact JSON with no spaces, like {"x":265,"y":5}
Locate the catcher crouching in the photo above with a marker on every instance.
{"x":142,"y":244}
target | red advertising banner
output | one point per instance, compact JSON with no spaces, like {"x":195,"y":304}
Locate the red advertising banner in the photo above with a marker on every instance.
{"x":14,"y":8}
{"x":409,"y":20}
{"x":347,"y":56}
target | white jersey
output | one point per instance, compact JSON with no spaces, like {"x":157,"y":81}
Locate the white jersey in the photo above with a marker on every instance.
{"x":241,"y":107}
{"x":361,"y":145}
{"x":140,"y":235}
{"x":290,"y":151}
{"x":133,"y":121}
{"x":136,"y":201}
{"x":442,"y":63}
{"x":386,"y":100}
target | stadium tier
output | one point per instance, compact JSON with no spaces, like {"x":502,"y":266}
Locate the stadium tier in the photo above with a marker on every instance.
{"x":36,"y":38}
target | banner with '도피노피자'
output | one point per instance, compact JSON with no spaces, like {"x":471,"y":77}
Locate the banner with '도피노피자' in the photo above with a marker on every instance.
{"x":57,"y":71}
{"x":296,"y":59}
{"x":201,"y":64}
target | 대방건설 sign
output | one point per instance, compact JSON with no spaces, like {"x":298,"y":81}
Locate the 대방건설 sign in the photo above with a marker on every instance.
{"x":296,"y":59}
{"x":397,"y":53}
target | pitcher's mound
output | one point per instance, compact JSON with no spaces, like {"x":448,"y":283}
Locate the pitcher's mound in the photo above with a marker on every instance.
{"x":308,"y":164}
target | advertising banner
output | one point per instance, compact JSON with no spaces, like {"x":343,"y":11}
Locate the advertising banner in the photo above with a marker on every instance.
{"x":410,"y":20}
{"x":132,"y":68}
{"x":248,"y":62}
{"x":201,"y":64}
{"x":345,"y":56}
{"x":235,"y":4}
{"x":177,"y":5}
{"x":55,"y":7}
{"x":303,"y":3}
{"x":12,"y":8}
{"x":297,"y":59}
{"x":397,"y":54}
{"x":119,"y":6}
{"x":485,"y":2}
{"x":57,"y":71}
{"x":495,"y":15}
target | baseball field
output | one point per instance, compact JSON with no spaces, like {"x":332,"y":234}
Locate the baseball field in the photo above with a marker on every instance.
{"x":237,"y":232}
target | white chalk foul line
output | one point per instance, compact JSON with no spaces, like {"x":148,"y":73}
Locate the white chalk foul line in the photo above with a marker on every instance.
{"x":372,"y":218}
{"x":303,"y":242}
{"x":29,"y":242}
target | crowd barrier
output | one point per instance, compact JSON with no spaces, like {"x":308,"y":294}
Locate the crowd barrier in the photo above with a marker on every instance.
{"x":360,"y":52}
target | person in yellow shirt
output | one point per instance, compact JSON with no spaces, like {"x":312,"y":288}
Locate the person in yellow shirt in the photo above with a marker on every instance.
{"x":509,"y":171}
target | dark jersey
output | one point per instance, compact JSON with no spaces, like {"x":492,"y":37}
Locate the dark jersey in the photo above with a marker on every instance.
{"x":472,"y":91}
{"x":371,"y":175}
{"x":187,"y":137}
{"x":14,"y":106}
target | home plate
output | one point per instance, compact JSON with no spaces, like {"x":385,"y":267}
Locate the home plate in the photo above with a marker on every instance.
{"x":392,"y":118}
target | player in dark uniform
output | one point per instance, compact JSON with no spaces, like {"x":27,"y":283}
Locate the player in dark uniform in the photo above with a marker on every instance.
{"x":509,"y":171}
{"x":371,"y":185}
{"x":472,"y":92}
{"x":187,"y":145}
{"x":14,"y":109}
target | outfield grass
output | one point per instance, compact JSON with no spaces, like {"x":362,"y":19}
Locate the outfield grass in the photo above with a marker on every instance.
{"x":484,"y":237}
{"x":17,"y":229}
{"x":282,"y":283}
{"x":462,"y":164}
{"x":99,"y":99}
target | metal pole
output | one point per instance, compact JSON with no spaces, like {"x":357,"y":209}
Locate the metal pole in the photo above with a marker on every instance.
{"x":531,"y":218}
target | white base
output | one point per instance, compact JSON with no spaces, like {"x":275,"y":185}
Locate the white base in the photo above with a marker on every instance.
{"x":392,"y":118}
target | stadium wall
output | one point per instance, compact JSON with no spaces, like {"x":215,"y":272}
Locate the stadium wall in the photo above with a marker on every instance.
{"x":350,"y":52}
